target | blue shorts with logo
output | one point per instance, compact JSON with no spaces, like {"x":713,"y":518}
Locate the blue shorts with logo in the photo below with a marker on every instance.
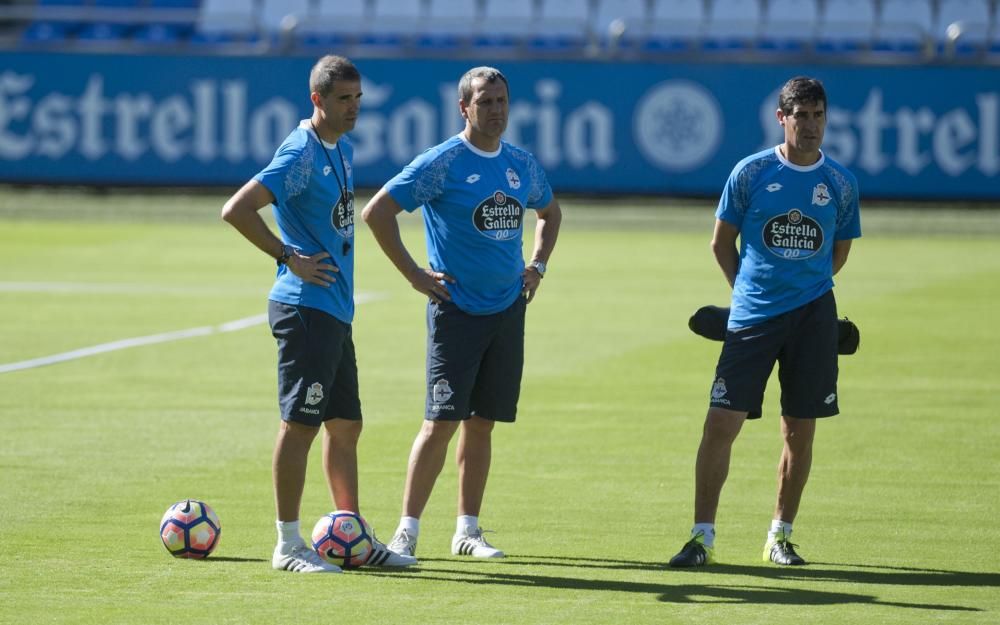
{"x":804,"y":344}
{"x":317,"y":367}
{"x":474,"y":362}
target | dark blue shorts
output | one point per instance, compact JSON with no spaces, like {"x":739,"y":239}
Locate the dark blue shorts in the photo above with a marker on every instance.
{"x":804,"y":343}
{"x":474,"y":362}
{"x":317,"y":368}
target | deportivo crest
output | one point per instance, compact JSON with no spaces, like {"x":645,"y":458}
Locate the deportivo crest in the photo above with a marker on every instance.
{"x":499,"y":217}
{"x":719,"y":389}
{"x":315,"y":394}
{"x":342,"y":216}
{"x":794,"y":235}
{"x":512,"y":179}
{"x":821,"y":195}
{"x":441,"y":392}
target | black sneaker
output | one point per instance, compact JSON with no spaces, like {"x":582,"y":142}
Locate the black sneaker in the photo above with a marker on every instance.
{"x":781,"y":551}
{"x":694,"y":553}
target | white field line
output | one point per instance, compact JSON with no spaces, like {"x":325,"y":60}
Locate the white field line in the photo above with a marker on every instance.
{"x":72,"y":288}
{"x":153,"y":339}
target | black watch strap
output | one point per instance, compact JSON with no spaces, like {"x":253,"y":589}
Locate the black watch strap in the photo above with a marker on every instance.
{"x":286,"y":253}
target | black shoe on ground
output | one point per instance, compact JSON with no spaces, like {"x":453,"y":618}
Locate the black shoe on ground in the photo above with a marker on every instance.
{"x":781,"y":551}
{"x":694,"y":553}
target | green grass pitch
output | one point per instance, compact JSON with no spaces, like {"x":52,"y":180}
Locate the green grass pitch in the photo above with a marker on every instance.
{"x":591,"y":490}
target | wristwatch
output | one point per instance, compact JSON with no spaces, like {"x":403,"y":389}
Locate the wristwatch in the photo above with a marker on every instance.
{"x":539,"y":267}
{"x":286,"y":253}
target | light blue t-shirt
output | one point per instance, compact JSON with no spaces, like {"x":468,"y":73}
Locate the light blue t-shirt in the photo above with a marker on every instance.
{"x":788,"y":217}
{"x":313,"y":187}
{"x":473,"y":205}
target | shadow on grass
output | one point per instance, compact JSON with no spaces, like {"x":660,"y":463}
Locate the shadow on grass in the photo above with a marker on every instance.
{"x":561,"y":562}
{"x":231,"y":559}
{"x":694,"y":593}
{"x":755,"y":593}
{"x":815,"y":571}
{"x":860,"y":574}
{"x":583,"y":563}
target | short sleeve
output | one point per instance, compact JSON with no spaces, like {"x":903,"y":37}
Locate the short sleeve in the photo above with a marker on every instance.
{"x":423,"y":180}
{"x":288,"y":173}
{"x":735,"y":197}
{"x":848,"y":208}
{"x":540,"y":193}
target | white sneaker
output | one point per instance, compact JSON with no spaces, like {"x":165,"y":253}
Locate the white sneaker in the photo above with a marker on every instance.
{"x":473,"y":545}
{"x":403,"y":543}
{"x":302,"y":559}
{"x":385,"y":556}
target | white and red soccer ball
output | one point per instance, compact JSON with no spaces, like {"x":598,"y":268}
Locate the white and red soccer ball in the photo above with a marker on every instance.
{"x":343,"y":538}
{"x":190,"y":529}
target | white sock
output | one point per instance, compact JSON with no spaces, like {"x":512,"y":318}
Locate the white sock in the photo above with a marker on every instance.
{"x":411,"y":524}
{"x":707,"y":531}
{"x":466,"y":524}
{"x":780,"y":529}
{"x":288,"y":535}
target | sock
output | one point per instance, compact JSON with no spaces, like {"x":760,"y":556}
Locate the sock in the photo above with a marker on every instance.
{"x":288,"y":535}
{"x":780,"y":529}
{"x":707,"y":533}
{"x":466,"y":524}
{"x":409,"y":523}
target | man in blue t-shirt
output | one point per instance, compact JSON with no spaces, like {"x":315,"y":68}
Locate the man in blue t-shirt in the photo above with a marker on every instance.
{"x":795,"y":212}
{"x":310,"y":186}
{"x":474,"y":190}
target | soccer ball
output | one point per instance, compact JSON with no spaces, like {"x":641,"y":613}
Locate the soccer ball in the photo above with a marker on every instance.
{"x":190,"y":529}
{"x":343,"y":538}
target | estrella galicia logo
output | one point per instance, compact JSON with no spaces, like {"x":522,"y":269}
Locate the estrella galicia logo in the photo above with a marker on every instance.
{"x":499,"y":217}
{"x":342,"y":216}
{"x":794,"y":235}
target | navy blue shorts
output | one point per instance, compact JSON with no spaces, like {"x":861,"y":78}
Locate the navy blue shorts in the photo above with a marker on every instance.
{"x":474,"y":362}
{"x":804,"y":343}
{"x":317,"y":368}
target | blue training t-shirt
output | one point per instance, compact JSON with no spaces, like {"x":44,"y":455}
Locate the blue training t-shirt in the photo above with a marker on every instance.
{"x":313,"y":186}
{"x":473,"y":204}
{"x":789,"y":217}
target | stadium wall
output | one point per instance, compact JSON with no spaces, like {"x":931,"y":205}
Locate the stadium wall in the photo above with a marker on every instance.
{"x":923,"y":132}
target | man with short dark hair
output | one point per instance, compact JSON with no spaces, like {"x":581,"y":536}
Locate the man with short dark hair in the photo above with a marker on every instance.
{"x":310,"y":186}
{"x":795,"y":211}
{"x":474,"y":190}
